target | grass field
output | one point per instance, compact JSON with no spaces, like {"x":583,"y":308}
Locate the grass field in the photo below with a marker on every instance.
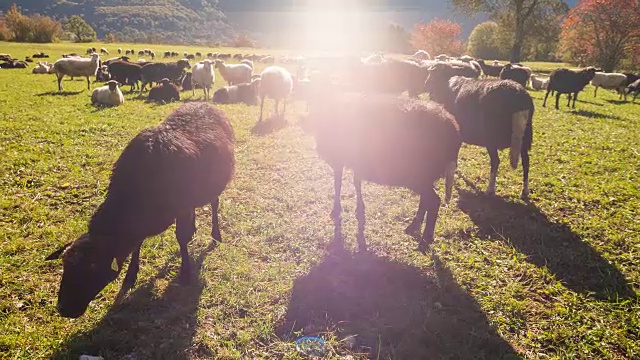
{"x":557,"y":278}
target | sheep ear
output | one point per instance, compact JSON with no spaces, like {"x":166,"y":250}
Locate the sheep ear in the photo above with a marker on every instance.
{"x":56,"y":254}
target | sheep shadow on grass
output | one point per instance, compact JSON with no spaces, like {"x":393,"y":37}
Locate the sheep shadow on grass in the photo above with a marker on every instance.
{"x":60,"y":93}
{"x":269,"y":125}
{"x":595,"y":115}
{"x":392,"y":310}
{"x":546,"y":244}
{"x":145,"y":324}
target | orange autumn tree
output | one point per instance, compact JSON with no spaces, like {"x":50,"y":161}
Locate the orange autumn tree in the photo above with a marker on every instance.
{"x":601,"y":32}
{"x":437,"y":37}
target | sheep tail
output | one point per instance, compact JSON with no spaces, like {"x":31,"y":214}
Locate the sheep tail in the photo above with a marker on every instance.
{"x":519,"y":125}
{"x":449,"y":180}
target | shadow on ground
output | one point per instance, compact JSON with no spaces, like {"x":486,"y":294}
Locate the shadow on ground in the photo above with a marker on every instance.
{"x":394,"y":310}
{"x":145,"y":325}
{"x":546,"y":244}
{"x":59,"y":93}
{"x":595,"y":115}
{"x":271,"y":124}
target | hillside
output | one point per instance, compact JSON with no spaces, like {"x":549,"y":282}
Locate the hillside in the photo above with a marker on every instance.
{"x":141,"y":20}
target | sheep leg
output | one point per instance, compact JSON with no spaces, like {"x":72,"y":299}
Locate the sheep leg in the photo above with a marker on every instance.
{"x":575,"y":97}
{"x":284,"y":107}
{"x":595,"y":91}
{"x":414,"y":227}
{"x":261,"y":106}
{"x":557,"y":101}
{"x":60,"y":82}
{"x":88,"y":83}
{"x":495,"y":163}
{"x":337,"y":208}
{"x":524,"y":153}
{"x":215,"y":225}
{"x":185,"y":228}
{"x":433,"y":207}
{"x":544,"y":103}
{"x":362,"y":243}
{"x":132,"y":271}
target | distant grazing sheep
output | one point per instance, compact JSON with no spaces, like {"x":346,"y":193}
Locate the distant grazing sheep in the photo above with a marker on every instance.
{"x":495,"y":114}
{"x":164,"y":92}
{"x":610,"y":81}
{"x":275,"y":83}
{"x":157,"y":71}
{"x":119,"y":51}
{"x":108,"y":95}
{"x":234,"y":73}
{"x":515,"y":73}
{"x":190,"y":159}
{"x":76,"y":67}
{"x":104,"y":51}
{"x":539,"y":83}
{"x":40,"y":55}
{"x":565,"y":81}
{"x":203,"y":73}
{"x":387,"y":140}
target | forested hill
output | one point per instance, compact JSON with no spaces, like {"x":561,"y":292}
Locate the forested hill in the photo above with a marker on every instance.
{"x":141,"y":20}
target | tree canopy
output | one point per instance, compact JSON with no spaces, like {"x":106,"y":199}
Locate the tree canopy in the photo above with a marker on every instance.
{"x":437,"y":37}
{"x":82,"y":31}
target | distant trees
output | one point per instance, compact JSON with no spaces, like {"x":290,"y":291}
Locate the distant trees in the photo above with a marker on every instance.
{"x":30,"y":28}
{"x":82,"y":31}
{"x":437,"y":37}
{"x":601,"y":33}
{"x":243,"y":40}
{"x":397,"y":39}
{"x":484,"y":42}
{"x":524,"y":19}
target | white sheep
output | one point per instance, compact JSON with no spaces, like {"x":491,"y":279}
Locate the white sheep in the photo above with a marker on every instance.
{"x":108,"y":95}
{"x":612,"y":81}
{"x":104,"y":51}
{"x":76,"y":67}
{"x":539,"y":84}
{"x":43,"y":67}
{"x":276,"y":83}
{"x":466,"y":58}
{"x":422,"y":55}
{"x":234,"y":73}
{"x":203,"y":74}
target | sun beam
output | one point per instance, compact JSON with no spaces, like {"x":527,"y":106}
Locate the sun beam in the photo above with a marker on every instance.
{"x":331,"y":25}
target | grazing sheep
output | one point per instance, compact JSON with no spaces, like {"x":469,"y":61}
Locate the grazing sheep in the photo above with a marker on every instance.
{"x":125,"y":73}
{"x":167,"y":54}
{"x":76,"y":67}
{"x":155,"y":72}
{"x":490,"y":70}
{"x":104,"y":51}
{"x":268,"y":60}
{"x":42,"y":67}
{"x":28,"y":59}
{"x":119,"y":51}
{"x":495,"y":114}
{"x":203,"y":74}
{"x":234,"y":73}
{"x":393,"y":76}
{"x":128,"y":52}
{"x":164,"y":92}
{"x":112,"y":60}
{"x":141,"y":53}
{"x":390,"y":141}
{"x":190,"y":158}
{"x":198,"y":54}
{"x":108,"y":95}
{"x":611,"y":81}
{"x":276,"y":83}
{"x":40,"y":55}
{"x":515,"y":73}
{"x":241,"y":93}
{"x":191,"y":57}
{"x":152,"y":54}
{"x":565,"y":81}
{"x":185,"y":82}
{"x":634,"y":88}
{"x":539,"y":84}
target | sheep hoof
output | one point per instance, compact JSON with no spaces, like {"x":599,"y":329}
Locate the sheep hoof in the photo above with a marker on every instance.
{"x":524,"y":196}
{"x":412,"y":229}
{"x":424,"y":246}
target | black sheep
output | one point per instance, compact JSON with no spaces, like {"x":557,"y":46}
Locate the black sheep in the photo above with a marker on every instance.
{"x":162,"y":176}
{"x":634,"y":88}
{"x":517,"y":74}
{"x":565,"y":81}
{"x":495,"y":114}
{"x":125,"y":72}
{"x":631,"y":78}
{"x":393,"y":76}
{"x":155,"y":72}
{"x":242,"y":93}
{"x":387,"y":140}
{"x":164,"y":92}
{"x":490,"y":70}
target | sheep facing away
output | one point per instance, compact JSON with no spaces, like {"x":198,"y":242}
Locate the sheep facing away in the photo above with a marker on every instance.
{"x":164,"y":92}
{"x":107,"y":95}
{"x":388,"y":140}
{"x":276,"y":83}
{"x":610,"y":81}
{"x":203,"y":74}
{"x":495,"y":114}
{"x":234,"y":73}
{"x":515,"y":73}
{"x":76,"y":67}
{"x":190,"y":157}
{"x":565,"y":81}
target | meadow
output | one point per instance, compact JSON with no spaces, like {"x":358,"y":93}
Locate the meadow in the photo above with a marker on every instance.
{"x":556,"y":278}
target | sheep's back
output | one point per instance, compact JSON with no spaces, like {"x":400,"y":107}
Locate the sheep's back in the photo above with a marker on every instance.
{"x":76,"y":67}
{"x":391,"y":141}
{"x":567,"y":81}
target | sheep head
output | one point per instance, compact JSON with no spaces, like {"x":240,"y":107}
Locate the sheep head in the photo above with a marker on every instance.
{"x":184,"y":63}
{"x":88,"y":266}
{"x":113,"y":85}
